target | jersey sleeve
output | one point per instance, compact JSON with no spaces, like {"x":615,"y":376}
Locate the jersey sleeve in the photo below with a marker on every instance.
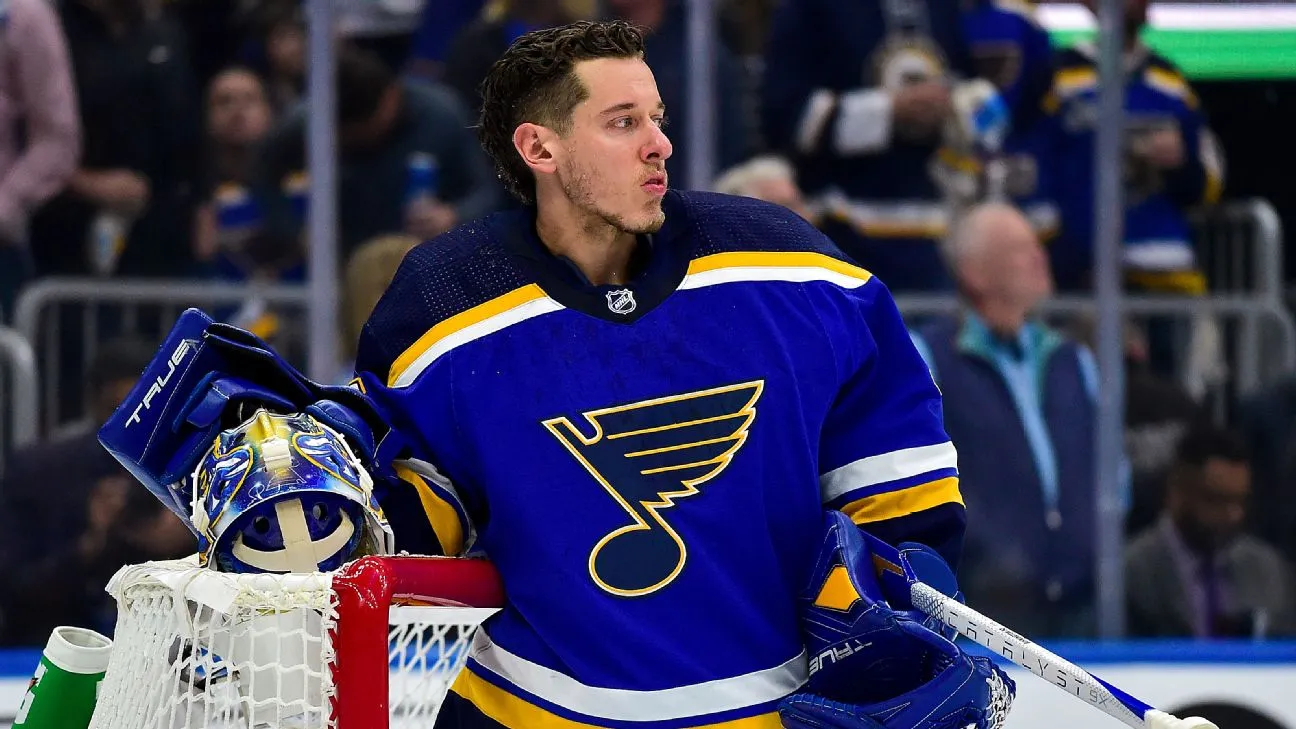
{"x":885,"y":459}
{"x":426,"y":505}
{"x":1200,"y":179}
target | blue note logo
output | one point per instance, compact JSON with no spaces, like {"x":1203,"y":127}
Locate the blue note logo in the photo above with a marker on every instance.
{"x":621,"y":301}
{"x":647,"y":456}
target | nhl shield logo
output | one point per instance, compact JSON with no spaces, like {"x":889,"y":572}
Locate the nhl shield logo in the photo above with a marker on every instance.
{"x":621,"y":301}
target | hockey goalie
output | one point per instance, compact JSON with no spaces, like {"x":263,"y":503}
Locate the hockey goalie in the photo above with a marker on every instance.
{"x":665,"y":417}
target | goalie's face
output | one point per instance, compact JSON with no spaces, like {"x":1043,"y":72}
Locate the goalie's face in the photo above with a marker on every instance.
{"x":610,"y":161}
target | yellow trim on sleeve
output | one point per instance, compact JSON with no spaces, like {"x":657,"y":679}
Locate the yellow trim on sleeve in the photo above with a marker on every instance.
{"x":517,"y":713}
{"x":462,"y":320}
{"x":1192,"y":283}
{"x":912,"y":500}
{"x":1068,"y":80}
{"x":440,"y":514}
{"x":795,"y":259}
{"x":1214,"y":188}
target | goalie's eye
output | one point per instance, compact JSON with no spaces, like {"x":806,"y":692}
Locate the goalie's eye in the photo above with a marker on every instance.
{"x":261,"y":525}
{"x":319,"y":510}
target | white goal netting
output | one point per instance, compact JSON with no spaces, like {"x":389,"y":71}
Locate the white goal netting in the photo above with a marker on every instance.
{"x":197,"y":648}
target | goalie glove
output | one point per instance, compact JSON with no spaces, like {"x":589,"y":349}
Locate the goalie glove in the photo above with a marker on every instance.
{"x":208,"y":377}
{"x":872,"y":667}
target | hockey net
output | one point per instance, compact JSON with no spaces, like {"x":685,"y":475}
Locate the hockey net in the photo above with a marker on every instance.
{"x":375,"y":644}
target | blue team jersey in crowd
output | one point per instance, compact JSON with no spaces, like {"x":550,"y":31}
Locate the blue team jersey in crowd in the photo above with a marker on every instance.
{"x":1158,"y":249}
{"x":647,"y":464}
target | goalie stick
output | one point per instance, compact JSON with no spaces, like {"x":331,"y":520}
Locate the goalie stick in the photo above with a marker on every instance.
{"x":904,"y":590}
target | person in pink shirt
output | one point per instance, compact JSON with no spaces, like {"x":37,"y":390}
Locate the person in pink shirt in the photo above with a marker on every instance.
{"x":37,"y":95}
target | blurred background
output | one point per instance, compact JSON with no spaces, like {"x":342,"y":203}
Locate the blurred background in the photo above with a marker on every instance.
{"x":1086,"y":231}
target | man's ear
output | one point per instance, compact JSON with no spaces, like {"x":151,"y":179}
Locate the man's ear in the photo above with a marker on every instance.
{"x":536,"y":144}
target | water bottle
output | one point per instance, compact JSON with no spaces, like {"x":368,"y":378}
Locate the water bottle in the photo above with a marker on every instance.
{"x":107,"y":241}
{"x":63,"y":690}
{"x":422,"y":178}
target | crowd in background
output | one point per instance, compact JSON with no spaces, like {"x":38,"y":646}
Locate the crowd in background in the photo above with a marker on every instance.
{"x":944,"y":145}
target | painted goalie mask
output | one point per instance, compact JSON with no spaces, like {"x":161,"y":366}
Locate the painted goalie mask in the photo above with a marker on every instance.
{"x":285,"y":493}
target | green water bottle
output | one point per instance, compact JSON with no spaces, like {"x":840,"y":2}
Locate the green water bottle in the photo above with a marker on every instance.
{"x":63,"y":690}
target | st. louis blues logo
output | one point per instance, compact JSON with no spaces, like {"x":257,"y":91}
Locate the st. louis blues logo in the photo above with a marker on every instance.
{"x":621,"y":301}
{"x":647,"y":455}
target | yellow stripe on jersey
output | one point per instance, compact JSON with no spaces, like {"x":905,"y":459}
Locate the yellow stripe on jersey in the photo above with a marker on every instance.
{"x":797,"y":259}
{"x":517,"y":713}
{"x":1175,"y":282}
{"x":1171,"y":84}
{"x":880,"y":507}
{"x":440,"y":514}
{"x":459,"y":322}
{"x":1069,"y":80}
{"x":1214,"y":189}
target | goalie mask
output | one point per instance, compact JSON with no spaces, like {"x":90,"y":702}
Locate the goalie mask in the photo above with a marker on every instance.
{"x":284,"y":493}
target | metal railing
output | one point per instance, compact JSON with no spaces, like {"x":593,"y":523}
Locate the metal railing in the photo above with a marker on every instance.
{"x":1240,"y":247}
{"x":124,"y":307}
{"x":21,"y":416}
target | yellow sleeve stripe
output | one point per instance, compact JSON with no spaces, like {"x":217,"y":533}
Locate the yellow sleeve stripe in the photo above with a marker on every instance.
{"x":797,"y":259}
{"x":1169,"y":83}
{"x":1177,"y":282}
{"x":440,"y":514}
{"x":497,"y":306}
{"x":912,"y":500}
{"x":1074,"y":79}
{"x":1214,"y":188}
{"x":510,"y":710}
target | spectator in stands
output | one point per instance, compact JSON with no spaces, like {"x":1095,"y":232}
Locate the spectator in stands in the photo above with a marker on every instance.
{"x":475,"y":49}
{"x":39,"y":97}
{"x":386,"y":126}
{"x":1011,"y":50}
{"x":860,"y":109}
{"x":238,"y":118}
{"x":1195,"y":573}
{"x":1019,"y":405}
{"x":365,"y":278}
{"x":70,"y":515}
{"x":1172,"y":163}
{"x":128,"y":208}
{"x":768,"y":178}
{"x":666,"y":53}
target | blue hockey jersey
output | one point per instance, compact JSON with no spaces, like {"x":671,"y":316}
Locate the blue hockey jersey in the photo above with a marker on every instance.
{"x":1158,"y":251}
{"x":647,"y":464}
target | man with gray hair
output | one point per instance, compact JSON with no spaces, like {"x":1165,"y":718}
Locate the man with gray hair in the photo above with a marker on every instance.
{"x":769,"y":178}
{"x":1019,"y":405}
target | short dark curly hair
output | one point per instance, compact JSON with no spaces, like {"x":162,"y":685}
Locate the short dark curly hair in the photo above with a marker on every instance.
{"x":535,"y":81}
